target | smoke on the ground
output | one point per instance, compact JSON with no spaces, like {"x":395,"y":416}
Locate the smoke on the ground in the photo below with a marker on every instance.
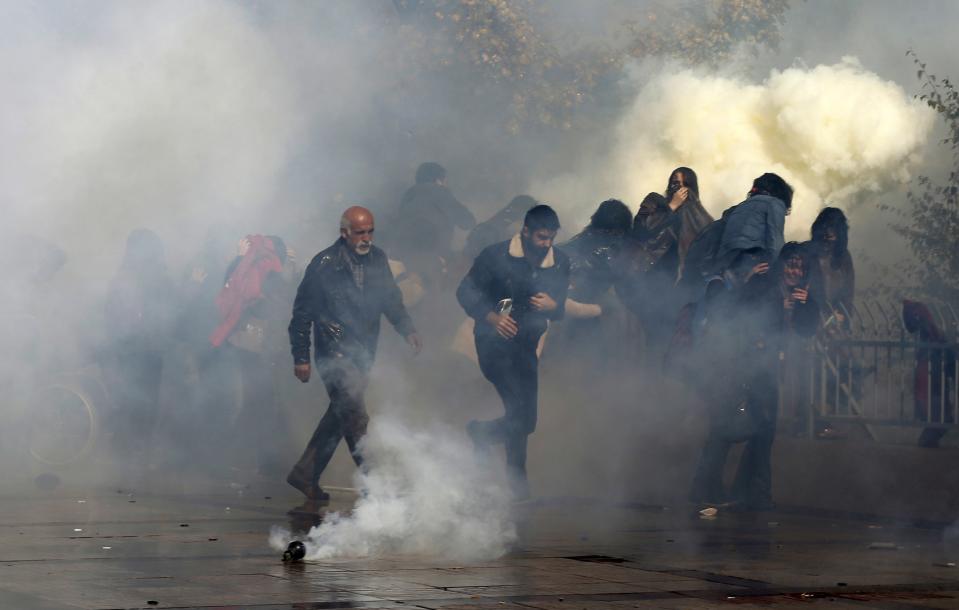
{"x":424,"y":492}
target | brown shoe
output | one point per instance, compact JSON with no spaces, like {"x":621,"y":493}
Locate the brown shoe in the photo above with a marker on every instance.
{"x":301,"y":483}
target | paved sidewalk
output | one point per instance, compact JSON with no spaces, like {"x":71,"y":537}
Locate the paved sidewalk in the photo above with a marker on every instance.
{"x":120,"y":549}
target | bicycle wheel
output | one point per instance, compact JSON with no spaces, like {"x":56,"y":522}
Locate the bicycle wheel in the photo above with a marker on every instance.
{"x":63,"y":424}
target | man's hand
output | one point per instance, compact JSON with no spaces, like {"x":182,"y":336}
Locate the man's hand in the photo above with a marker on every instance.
{"x":542,"y":302}
{"x":415,"y":342}
{"x":679,"y":198}
{"x":302,"y":372}
{"x":800,"y":294}
{"x":505,"y":326}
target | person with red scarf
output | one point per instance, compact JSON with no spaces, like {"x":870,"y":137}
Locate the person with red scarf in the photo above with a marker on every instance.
{"x":252,"y":307}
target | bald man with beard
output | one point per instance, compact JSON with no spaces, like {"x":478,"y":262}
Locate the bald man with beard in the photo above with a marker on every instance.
{"x":345,"y":290}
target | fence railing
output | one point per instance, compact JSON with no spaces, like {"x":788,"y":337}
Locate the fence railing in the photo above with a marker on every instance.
{"x":878,"y":364}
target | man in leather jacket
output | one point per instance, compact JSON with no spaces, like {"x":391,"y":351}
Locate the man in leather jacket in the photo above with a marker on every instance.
{"x":345,"y":290}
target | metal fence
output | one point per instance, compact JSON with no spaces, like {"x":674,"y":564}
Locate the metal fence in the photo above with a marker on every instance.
{"x":879,"y":364}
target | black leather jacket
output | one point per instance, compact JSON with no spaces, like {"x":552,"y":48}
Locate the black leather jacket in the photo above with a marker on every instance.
{"x":344,"y":317}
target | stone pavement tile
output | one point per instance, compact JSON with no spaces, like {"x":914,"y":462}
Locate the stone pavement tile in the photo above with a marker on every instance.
{"x":688,"y":585}
{"x":416,"y":596}
{"x":686,"y":603}
{"x":850,"y":576}
{"x":29,"y":601}
{"x":455,"y":605}
{"x":360,"y":581}
{"x":600,"y":588}
{"x":383,"y":564}
{"x":591,"y":604}
{"x":478,"y":577}
{"x":260,"y":583}
{"x":625,"y":572}
{"x":920,"y":599}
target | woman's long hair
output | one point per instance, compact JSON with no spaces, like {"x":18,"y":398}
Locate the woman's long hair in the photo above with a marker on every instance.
{"x":835,"y":219}
{"x":792,"y":250}
{"x":689,"y":176}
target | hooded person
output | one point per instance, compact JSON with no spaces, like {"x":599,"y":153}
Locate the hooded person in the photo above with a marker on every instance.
{"x":512,"y":291}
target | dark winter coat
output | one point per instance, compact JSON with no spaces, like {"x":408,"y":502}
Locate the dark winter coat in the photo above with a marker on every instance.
{"x":502,"y":271}
{"x":762,"y":321}
{"x":345,"y":318}
{"x":595,"y":264}
{"x":428,"y":214}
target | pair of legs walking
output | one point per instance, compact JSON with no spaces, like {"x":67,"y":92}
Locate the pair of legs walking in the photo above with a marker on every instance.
{"x":511,"y":366}
{"x":752,"y":487}
{"x":345,"y":418}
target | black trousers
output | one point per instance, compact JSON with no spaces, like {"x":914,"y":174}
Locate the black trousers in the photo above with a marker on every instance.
{"x":345,"y":417}
{"x":753,"y":482}
{"x":511,"y":366}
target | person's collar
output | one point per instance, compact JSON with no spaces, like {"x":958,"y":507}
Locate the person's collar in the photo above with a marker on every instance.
{"x":516,"y":251}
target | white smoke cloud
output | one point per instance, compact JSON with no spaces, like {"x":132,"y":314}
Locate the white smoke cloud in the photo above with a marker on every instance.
{"x":151,"y":115}
{"x":833,"y":132}
{"x":424,"y":493}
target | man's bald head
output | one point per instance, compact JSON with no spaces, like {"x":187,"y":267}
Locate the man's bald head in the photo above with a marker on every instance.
{"x":356,"y":228}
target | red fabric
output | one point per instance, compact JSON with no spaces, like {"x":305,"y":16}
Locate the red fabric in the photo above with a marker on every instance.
{"x":918,"y":319}
{"x":245,"y":285}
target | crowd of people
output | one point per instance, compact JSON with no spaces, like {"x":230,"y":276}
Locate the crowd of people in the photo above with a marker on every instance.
{"x":717,"y":301}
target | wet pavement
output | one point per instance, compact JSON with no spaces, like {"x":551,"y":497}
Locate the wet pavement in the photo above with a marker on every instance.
{"x":115,"y":548}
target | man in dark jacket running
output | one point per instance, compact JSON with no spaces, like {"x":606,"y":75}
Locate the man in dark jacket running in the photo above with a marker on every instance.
{"x":345,"y":290}
{"x":512,"y":291}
